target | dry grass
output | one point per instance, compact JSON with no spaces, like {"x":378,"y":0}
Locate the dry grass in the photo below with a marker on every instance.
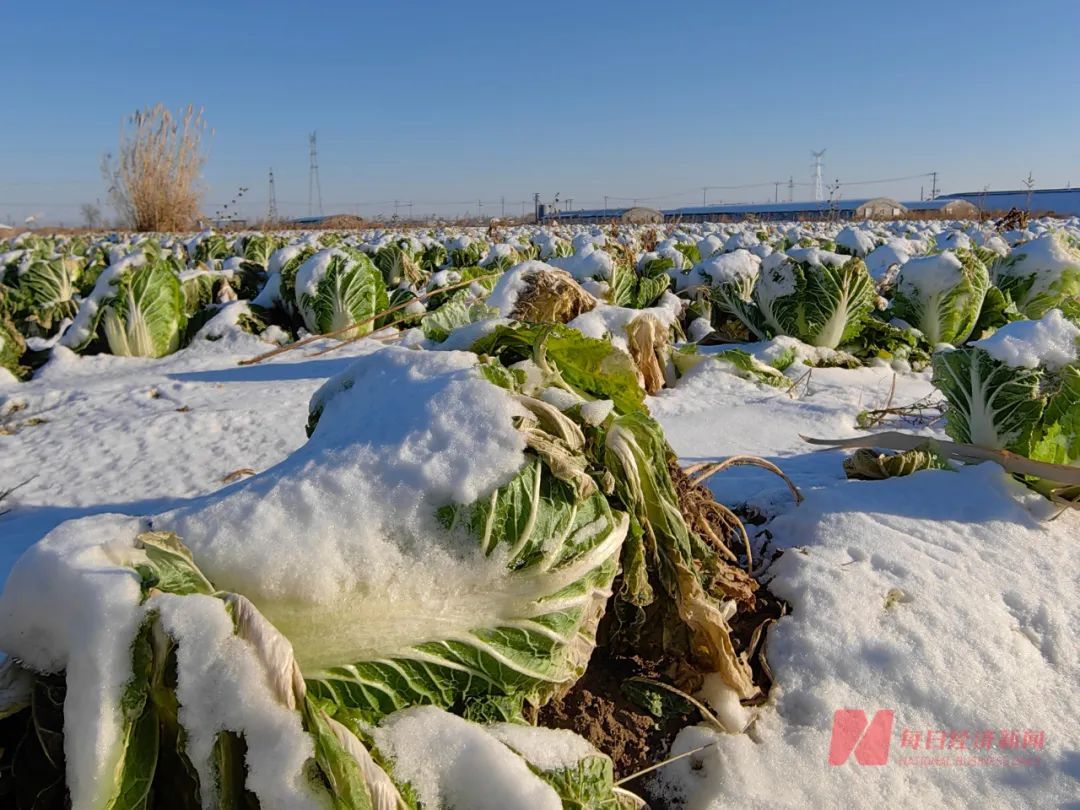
{"x":153,"y":180}
{"x":551,"y":296}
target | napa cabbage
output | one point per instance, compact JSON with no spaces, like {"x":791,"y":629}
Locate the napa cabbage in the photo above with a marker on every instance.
{"x":942,"y":295}
{"x":1040,"y":274}
{"x":819,"y":297}
{"x":335,"y":289}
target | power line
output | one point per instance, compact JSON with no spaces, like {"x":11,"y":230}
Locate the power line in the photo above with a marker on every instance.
{"x":888,"y":179}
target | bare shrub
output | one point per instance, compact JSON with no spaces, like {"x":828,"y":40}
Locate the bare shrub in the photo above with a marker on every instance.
{"x":91,"y":215}
{"x":153,"y":181}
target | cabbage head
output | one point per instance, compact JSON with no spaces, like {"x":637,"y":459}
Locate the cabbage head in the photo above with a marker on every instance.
{"x":143,"y":315}
{"x":819,"y":297}
{"x":1040,"y":274}
{"x":942,"y":295}
{"x":335,"y":289}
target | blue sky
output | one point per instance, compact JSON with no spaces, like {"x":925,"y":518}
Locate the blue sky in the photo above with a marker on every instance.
{"x":440,"y":103}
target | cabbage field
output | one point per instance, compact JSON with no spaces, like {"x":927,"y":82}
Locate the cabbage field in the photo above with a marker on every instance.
{"x":594,"y":517}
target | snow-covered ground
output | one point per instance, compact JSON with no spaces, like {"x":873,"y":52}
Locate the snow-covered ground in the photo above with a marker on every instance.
{"x":948,"y":598}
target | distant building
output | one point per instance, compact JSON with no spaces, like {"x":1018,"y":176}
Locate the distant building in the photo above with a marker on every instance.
{"x":778,"y":212}
{"x":879,"y":208}
{"x":950,"y":208}
{"x":637,"y":215}
{"x":1061,"y":201}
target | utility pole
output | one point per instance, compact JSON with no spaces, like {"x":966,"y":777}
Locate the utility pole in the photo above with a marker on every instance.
{"x":314,"y":191}
{"x":271,"y":212}
{"x":605,"y":204}
{"x":933,"y":186}
{"x":569,"y":204}
{"x":502,"y":207}
{"x":791,"y":188}
{"x":776,"y":191}
{"x":395,"y":209}
{"x":536,"y":207}
{"x":704,"y":192}
{"x":410,"y":211}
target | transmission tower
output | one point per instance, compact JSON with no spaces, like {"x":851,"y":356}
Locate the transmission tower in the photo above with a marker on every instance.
{"x":314,"y":188}
{"x":816,"y":167}
{"x":271,"y":213}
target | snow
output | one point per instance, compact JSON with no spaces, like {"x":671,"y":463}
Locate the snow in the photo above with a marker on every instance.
{"x":947,"y":597}
{"x":587,"y":263}
{"x":818,"y":257}
{"x":401,"y":433}
{"x":595,"y":412}
{"x":548,"y":749}
{"x":513,"y":283}
{"x":1044,"y":259}
{"x":698,"y":329}
{"x":223,"y":686}
{"x":454,"y":763}
{"x":856,"y":240}
{"x":443,"y":278}
{"x":70,"y":605}
{"x":311,"y":272}
{"x":730,"y":267}
{"x":610,"y":322}
{"x":777,"y":277}
{"x":953,"y":240}
{"x":1050,"y":342}
{"x":886,"y":257}
{"x":724,"y":703}
{"x":977,"y":638}
{"x":931,"y":275}
{"x":709,"y":245}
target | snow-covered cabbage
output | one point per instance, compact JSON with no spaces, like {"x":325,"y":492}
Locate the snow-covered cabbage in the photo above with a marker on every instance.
{"x":336,"y":289}
{"x":853,"y":241}
{"x":819,"y":297}
{"x":731,"y":278}
{"x":1040,"y":274}
{"x":464,"y":251}
{"x":1017,"y":390}
{"x":498,"y":767}
{"x":941,"y":295}
{"x":438,"y":541}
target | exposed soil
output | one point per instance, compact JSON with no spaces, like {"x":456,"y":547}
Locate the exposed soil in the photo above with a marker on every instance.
{"x":597,"y":709}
